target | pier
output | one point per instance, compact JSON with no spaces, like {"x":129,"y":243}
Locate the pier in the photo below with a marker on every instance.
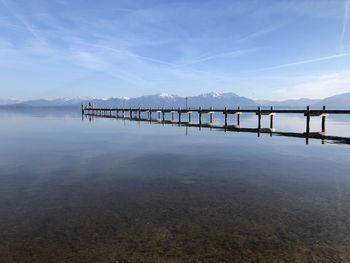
{"x":135,"y":114}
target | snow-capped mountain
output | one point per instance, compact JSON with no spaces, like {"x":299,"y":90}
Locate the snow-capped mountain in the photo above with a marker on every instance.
{"x":217,"y":99}
{"x":213,"y":94}
{"x":166,"y":95}
{"x":212,"y":99}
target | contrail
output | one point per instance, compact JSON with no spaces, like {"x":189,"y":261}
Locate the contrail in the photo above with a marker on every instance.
{"x":19,"y":18}
{"x":306,"y":61}
{"x":259,"y":33}
{"x":130,"y":54}
{"x":220,"y":55}
{"x":346,"y":19}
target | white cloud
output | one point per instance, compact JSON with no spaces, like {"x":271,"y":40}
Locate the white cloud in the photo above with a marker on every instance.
{"x":323,"y":86}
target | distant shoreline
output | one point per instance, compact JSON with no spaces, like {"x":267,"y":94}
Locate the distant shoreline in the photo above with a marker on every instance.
{"x":38,"y":107}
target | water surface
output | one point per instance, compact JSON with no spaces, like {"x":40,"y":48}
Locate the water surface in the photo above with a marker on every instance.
{"x":116,"y":190}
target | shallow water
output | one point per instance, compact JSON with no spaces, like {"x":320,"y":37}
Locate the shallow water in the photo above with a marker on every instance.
{"x":114,"y":190}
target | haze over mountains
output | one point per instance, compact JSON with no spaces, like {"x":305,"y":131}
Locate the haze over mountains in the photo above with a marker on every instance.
{"x":288,"y":103}
{"x":212,"y":99}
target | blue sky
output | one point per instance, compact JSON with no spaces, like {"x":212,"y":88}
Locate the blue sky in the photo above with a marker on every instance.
{"x":262,"y":49}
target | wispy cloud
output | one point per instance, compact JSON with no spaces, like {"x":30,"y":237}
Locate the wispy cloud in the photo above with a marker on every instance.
{"x":323,"y":86}
{"x":259,"y":33}
{"x":149,"y":46}
{"x":22,"y":20}
{"x":131,"y":54}
{"x":310,"y":8}
{"x":231,"y":54}
{"x":346,"y":19}
{"x":305,"y":62}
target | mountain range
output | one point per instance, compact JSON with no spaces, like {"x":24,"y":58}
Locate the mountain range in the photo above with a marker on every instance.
{"x":212,"y":99}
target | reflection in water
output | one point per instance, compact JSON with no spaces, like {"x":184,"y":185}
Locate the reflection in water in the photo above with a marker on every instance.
{"x":121,"y":191}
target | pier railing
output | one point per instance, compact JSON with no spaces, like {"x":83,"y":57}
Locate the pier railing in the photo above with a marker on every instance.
{"x":227,"y":110}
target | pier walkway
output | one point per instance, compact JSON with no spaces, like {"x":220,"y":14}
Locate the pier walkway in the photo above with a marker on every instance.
{"x":135,"y":114}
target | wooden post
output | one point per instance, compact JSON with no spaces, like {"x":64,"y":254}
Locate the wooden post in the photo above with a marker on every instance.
{"x":259,"y":121}
{"x":238,"y":117}
{"x":139,"y":112}
{"x":307,"y":125}
{"x":82,"y":109}
{"x":211,"y":115}
{"x":150,"y":114}
{"x":225,"y":117}
{"x":308,"y":120}
{"x":130,"y":113}
{"x":200,"y":115}
{"x":179,"y":115}
{"x":117,"y":113}
{"x":271,"y":118}
{"x":163,"y":114}
{"x":259,"y":118}
{"x":158,"y":114}
{"x":324,"y":120}
{"x":172,"y":114}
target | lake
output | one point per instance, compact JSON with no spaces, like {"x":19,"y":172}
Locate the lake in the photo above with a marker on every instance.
{"x":114,"y":190}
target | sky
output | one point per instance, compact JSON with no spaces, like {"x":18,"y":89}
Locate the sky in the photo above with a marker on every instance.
{"x":261,"y":49}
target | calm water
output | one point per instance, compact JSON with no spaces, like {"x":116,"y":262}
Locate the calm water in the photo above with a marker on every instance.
{"x":125,"y":191}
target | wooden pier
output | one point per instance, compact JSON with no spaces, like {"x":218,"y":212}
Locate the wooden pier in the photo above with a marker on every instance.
{"x":135,"y":114}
